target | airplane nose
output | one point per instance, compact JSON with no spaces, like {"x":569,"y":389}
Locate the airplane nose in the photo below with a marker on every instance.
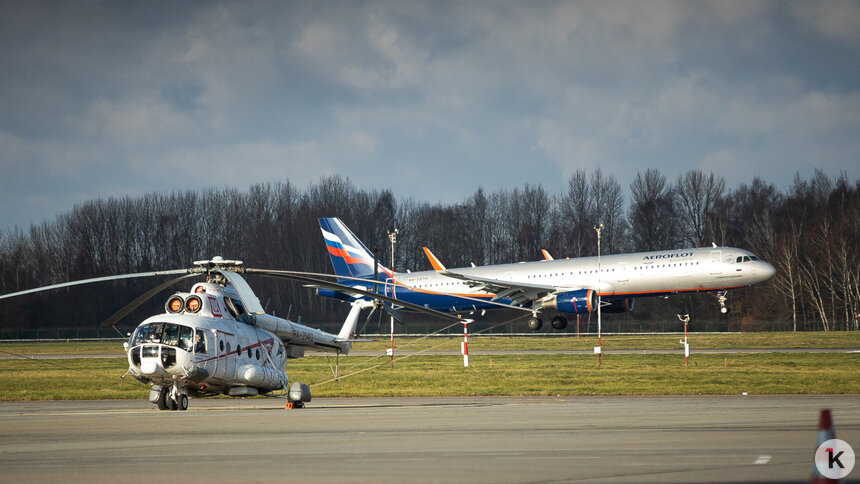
{"x":767,"y":271}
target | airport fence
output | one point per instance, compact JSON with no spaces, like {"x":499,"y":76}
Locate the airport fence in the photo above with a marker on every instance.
{"x":482,"y":327}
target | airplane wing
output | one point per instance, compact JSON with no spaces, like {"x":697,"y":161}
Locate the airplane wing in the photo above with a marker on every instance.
{"x":520,"y":293}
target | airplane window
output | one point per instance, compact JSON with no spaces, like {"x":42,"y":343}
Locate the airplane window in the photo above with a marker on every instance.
{"x":221,"y":345}
{"x":257,"y":353}
{"x":249,"y":352}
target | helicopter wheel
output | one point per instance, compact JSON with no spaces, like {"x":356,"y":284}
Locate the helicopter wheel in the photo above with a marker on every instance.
{"x":163,"y":399}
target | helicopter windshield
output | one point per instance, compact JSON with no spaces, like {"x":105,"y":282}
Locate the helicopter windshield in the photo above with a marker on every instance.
{"x":165,"y":333}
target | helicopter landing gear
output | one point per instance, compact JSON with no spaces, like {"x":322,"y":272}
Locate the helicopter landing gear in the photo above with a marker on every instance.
{"x":721,"y":297}
{"x":168,"y":398}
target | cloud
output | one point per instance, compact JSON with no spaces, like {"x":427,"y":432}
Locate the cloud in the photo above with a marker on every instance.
{"x":432,"y":99}
{"x":835,"y":19}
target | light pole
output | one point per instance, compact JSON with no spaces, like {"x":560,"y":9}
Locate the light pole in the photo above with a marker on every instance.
{"x":599,"y":349}
{"x":392,"y":236}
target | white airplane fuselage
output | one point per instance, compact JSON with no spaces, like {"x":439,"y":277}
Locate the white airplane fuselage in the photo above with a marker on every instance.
{"x":612,"y":276}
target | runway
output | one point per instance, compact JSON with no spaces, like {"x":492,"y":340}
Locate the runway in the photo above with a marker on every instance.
{"x":444,"y":440}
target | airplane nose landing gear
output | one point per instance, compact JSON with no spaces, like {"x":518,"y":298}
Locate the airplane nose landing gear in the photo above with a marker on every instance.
{"x":721,"y":297}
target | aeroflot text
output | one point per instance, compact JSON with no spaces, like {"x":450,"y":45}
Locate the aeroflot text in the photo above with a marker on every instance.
{"x":668,"y":256}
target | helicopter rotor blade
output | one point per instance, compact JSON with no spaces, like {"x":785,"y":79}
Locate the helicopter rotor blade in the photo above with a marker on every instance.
{"x":481,"y":300}
{"x":142,"y":299}
{"x":352,"y":290}
{"x":94,"y":279}
{"x":393,"y":313}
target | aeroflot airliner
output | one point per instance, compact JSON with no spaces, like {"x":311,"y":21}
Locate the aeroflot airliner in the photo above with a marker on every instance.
{"x":563,"y":286}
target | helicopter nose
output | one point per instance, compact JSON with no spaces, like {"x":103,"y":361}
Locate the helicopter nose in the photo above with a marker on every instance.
{"x":149,"y":366}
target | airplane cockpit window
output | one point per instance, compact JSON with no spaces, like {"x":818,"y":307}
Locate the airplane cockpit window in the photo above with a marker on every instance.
{"x":746,"y":258}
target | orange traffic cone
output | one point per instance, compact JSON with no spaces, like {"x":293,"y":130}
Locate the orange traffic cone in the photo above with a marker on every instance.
{"x":825,"y":433}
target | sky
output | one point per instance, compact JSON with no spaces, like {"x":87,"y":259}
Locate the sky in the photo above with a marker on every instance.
{"x":428,"y":99}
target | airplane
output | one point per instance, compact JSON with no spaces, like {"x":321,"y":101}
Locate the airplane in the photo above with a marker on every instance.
{"x":563,"y":287}
{"x":217,"y":338}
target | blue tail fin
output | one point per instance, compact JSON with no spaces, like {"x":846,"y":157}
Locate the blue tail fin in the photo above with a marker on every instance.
{"x":349,"y":256}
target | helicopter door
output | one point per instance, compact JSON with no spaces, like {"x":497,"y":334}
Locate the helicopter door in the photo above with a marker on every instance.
{"x":224,"y":364}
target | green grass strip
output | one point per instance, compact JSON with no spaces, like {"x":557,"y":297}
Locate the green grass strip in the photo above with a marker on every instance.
{"x":566,"y":375}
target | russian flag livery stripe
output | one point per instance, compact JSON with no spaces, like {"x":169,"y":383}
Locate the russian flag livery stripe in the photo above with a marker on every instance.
{"x":349,"y":256}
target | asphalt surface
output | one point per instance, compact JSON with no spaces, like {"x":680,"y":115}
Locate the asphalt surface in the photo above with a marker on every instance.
{"x":446,"y":440}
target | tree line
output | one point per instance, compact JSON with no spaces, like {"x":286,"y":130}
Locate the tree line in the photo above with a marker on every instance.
{"x":809,"y":231}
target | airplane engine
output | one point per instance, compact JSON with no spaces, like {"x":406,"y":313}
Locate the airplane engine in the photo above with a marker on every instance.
{"x":617,"y":306}
{"x":573,"y":302}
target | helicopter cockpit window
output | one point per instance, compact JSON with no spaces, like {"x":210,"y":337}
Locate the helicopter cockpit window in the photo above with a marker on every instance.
{"x":186,"y":335}
{"x":165,"y":333}
{"x":199,"y":343}
{"x":171,"y":335}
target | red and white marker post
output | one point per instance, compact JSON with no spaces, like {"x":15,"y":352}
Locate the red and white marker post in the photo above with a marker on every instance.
{"x":686,"y":319}
{"x":464,"y":346}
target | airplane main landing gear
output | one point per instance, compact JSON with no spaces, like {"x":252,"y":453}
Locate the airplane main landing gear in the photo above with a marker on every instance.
{"x":559,"y":322}
{"x":534,"y":323}
{"x":721,"y":297}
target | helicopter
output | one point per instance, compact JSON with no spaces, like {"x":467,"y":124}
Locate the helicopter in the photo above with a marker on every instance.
{"x":217,"y":338}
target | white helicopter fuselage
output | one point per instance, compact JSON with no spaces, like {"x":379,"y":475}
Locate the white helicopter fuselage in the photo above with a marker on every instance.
{"x":206,"y":343}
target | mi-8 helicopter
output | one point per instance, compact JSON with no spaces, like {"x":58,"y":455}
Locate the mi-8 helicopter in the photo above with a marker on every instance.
{"x":217,"y":338}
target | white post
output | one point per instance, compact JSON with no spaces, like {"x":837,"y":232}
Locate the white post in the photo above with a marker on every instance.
{"x":686,"y":319}
{"x":599,"y":349}
{"x":392,"y":236}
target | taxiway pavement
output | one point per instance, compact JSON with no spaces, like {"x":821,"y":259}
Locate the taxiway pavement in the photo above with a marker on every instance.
{"x":446,"y":440}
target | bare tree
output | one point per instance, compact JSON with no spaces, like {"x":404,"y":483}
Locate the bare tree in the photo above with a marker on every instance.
{"x":698,"y":195}
{"x":651,"y":214}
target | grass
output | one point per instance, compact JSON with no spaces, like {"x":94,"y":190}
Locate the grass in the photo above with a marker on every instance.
{"x":569,"y":375}
{"x":829,"y":339}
